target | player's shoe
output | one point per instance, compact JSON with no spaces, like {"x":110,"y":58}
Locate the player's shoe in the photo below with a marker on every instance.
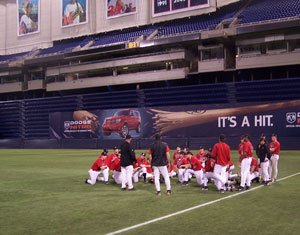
{"x":158,"y":193}
{"x":169,"y":192}
{"x":240,"y":188}
{"x":267,"y":183}
{"x":185,"y":183}
{"x":205,"y":188}
{"x":257,"y":180}
{"x":106,"y":182}
{"x":273,"y":180}
{"x":222,"y":191}
{"x":132,"y":189}
{"x":123,"y":189}
{"x":86,"y":181}
{"x":247,"y":187}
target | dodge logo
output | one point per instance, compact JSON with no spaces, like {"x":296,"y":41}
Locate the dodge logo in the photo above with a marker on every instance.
{"x":291,"y":117}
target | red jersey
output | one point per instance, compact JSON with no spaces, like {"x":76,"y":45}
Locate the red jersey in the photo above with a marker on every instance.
{"x":196,"y":165}
{"x":167,"y":150}
{"x":176,"y":155}
{"x":180,"y":161}
{"x":276,"y":146}
{"x":208,"y":163}
{"x":141,"y":162}
{"x":109,"y":158}
{"x":170,"y":168}
{"x":254,"y":163}
{"x":149,"y":168}
{"x":201,"y":157}
{"x":116,"y":164}
{"x":221,"y":151}
{"x":247,"y":149}
{"x":97,"y":164}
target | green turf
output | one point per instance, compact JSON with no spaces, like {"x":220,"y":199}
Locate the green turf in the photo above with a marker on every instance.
{"x":43,"y":192}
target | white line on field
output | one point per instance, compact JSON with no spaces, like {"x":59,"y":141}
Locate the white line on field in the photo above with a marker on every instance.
{"x":193,"y":208}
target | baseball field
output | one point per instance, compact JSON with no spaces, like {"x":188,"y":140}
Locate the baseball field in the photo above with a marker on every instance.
{"x":43,"y":192}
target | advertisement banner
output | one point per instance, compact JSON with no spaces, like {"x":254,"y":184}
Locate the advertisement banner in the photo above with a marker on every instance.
{"x":28,"y":17}
{"x":282,"y":118}
{"x":74,"y":12}
{"x":116,"y":8}
{"x":165,"y":7}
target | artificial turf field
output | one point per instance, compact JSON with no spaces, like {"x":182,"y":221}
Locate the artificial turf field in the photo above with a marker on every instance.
{"x":43,"y":192}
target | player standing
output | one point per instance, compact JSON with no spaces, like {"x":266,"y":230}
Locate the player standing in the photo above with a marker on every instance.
{"x":159,"y":158}
{"x":274,"y":150}
{"x":246,"y":159}
{"x":127,"y":159}
{"x":263,"y":154}
{"x":221,"y":153}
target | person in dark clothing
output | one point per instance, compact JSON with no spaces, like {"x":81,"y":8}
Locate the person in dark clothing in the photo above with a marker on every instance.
{"x":263,"y":154}
{"x":159,"y":158}
{"x":127,"y":159}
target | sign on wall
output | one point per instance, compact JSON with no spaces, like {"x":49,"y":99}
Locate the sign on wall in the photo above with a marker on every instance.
{"x":74,"y":12}
{"x":165,"y":7}
{"x":282,"y":118}
{"x":28,"y":17}
{"x":116,"y":8}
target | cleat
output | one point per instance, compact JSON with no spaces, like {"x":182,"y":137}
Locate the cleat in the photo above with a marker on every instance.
{"x":123,"y":189}
{"x":158,"y":193}
{"x":222,"y":191}
{"x":240,"y":188}
{"x":247,"y":188}
{"x":106,"y":182}
{"x":169,"y":192}
{"x":132,"y":189}
{"x":185,"y":183}
{"x":86,"y":181}
{"x":205,"y":188}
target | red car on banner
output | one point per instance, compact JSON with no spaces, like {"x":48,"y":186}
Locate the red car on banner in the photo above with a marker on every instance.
{"x":122,"y":122}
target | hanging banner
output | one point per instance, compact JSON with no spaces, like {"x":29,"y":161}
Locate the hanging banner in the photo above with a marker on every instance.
{"x":74,"y":12}
{"x":165,"y":7}
{"x":282,"y":118}
{"x":28,"y":17}
{"x":116,"y":8}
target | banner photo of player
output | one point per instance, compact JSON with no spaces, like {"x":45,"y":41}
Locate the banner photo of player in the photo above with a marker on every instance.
{"x":180,"y":121}
{"x":117,"y":8}
{"x":28,"y":16}
{"x":166,"y":7}
{"x":74,"y":12}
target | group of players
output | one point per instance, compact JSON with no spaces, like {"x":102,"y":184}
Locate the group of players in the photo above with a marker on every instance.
{"x":214,"y":166}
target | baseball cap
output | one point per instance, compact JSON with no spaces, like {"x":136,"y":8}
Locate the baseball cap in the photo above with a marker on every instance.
{"x":182,"y":153}
{"x":104,"y":153}
{"x":116,"y":147}
{"x":143,"y":154}
{"x":189,"y":153}
{"x":209,"y":149}
{"x":201,"y":147}
{"x":128,"y":137}
{"x":222,"y":137}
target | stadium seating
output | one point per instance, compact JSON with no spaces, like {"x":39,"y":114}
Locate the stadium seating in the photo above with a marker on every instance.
{"x":9,"y":58}
{"x":264,"y":10}
{"x":11,"y":119}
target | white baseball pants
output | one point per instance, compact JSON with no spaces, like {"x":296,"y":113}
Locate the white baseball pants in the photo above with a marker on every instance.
{"x":273,"y":165}
{"x":117,"y":177}
{"x":94,"y":176}
{"x":197,"y":174}
{"x":264,"y":166}
{"x":221,"y":171}
{"x":137,"y":173}
{"x":254,"y":175}
{"x":245,"y":172}
{"x":127,"y":176}
{"x":229,"y":174}
{"x":164,"y":171}
{"x":180,"y":173}
{"x":217,"y":178}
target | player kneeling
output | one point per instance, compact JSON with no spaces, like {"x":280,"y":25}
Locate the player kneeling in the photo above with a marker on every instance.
{"x":209,"y":174}
{"x":254,"y":172}
{"x":99,"y":167}
{"x":194,"y":167}
{"x":141,"y":168}
{"x":115,"y":166}
{"x":179,"y":164}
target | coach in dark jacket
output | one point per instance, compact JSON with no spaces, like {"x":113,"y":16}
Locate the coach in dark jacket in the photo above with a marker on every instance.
{"x":159,"y":158}
{"x":263,"y":154}
{"x":127,"y":159}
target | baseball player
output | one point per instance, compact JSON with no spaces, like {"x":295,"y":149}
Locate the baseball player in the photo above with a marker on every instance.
{"x":194,"y":167}
{"x":177,"y":153}
{"x":140,"y":168}
{"x":221,"y":154}
{"x":201,"y":156}
{"x":274,"y":150}
{"x":171,"y":170}
{"x":127,"y":159}
{"x":179,"y":165}
{"x":263,"y":154}
{"x":99,"y":167}
{"x":254,"y":173}
{"x":246,"y":159}
{"x":115,"y":166}
{"x":209,"y":174}
{"x":159,"y":158}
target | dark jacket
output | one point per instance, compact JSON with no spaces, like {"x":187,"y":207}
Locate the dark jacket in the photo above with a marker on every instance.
{"x":159,"y":153}
{"x":262,"y":151}
{"x":127,"y":154}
